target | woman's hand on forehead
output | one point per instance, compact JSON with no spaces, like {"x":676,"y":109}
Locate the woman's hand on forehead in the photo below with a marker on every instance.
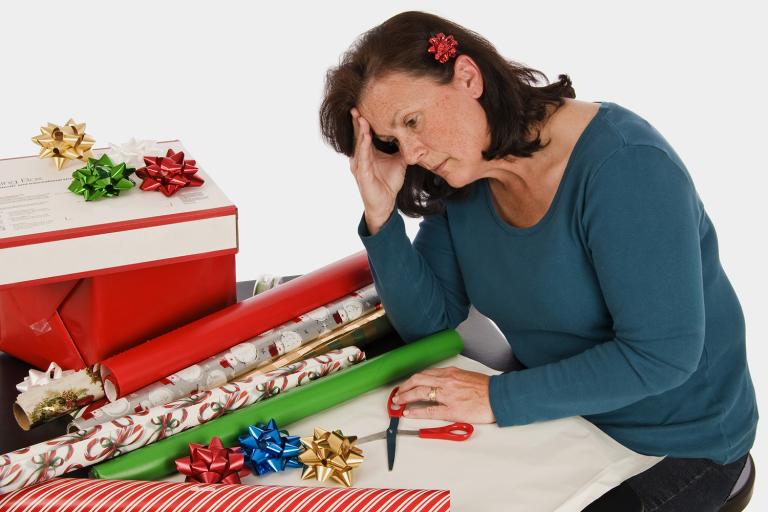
{"x":379,"y":176}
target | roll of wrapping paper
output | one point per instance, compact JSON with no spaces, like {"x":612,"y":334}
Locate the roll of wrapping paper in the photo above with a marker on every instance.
{"x":87,"y":411}
{"x":366,"y":337}
{"x":241,"y":359}
{"x":59,"y":456}
{"x":358,"y":333}
{"x":68,"y":494}
{"x":57,"y":397}
{"x":157,"y":461}
{"x":361,"y":333}
{"x":151,"y":361}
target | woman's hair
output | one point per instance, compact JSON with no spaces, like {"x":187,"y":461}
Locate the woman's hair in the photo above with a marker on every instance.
{"x":513,"y":101}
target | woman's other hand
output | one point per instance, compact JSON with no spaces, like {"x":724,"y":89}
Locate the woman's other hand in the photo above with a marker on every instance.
{"x":379,"y":175}
{"x":460,"y":395}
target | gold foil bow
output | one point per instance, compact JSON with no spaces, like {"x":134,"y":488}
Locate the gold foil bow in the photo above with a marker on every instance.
{"x":62,"y":143}
{"x":330,"y":455}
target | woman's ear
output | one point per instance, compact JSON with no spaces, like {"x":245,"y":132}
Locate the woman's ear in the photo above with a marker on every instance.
{"x":467,"y":76}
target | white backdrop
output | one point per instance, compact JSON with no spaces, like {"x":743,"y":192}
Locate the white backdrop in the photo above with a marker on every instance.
{"x":240,"y":83}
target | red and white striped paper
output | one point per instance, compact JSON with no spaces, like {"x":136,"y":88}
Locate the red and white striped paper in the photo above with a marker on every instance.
{"x":85,"y":495}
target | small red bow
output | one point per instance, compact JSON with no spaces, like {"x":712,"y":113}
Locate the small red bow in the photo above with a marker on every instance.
{"x":214,"y":464}
{"x":168,"y":173}
{"x":444,"y":47}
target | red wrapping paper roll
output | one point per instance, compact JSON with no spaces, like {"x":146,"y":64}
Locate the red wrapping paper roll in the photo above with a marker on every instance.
{"x":69,"y":494}
{"x":196,"y":341}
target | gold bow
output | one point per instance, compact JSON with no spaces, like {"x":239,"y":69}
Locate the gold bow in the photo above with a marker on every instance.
{"x":330,"y":455}
{"x":62,"y":143}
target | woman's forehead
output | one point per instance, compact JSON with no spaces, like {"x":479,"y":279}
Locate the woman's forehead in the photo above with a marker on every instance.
{"x":384,"y":99}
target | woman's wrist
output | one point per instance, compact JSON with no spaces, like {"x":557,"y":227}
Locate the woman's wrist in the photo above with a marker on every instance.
{"x":375,"y":222}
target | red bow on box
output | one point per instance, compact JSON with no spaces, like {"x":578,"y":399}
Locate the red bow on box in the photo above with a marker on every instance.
{"x":168,"y":173}
{"x":213,"y":465}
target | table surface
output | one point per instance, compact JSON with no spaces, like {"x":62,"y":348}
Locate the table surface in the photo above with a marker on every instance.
{"x":560,"y":465}
{"x":12,"y":437}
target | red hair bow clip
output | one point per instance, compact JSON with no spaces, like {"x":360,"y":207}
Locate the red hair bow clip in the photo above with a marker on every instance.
{"x":444,"y":47}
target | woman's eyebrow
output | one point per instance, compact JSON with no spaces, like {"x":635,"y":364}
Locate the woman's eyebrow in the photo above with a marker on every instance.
{"x":393,"y":123}
{"x":394,"y":118}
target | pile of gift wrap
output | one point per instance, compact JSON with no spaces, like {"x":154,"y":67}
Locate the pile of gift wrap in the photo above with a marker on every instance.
{"x":213,"y":398}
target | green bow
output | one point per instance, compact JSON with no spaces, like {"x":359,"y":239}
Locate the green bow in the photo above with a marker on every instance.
{"x":100,"y":178}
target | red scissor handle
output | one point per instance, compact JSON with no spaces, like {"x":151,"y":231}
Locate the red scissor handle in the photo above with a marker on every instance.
{"x":452,"y":432}
{"x":394,"y":410}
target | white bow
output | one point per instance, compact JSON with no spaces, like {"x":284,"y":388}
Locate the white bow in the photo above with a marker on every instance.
{"x":133,"y":152}
{"x":38,"y":378}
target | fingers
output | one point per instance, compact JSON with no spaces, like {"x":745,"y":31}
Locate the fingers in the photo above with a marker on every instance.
{"x":355,"y":114}
{"x":417,"y":394}
{"x":366,"y":141}
{"x":439,"y":372}
{"x":353,"y":165}
{"x":431,"y":412}
{"x":419,"y":379}
{"x":360,"y":127}
{"x":361,"y":159}
{"x":431,"y":377}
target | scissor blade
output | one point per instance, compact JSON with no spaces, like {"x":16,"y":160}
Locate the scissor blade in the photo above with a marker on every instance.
{"x":372,"y":437}
{"x":392,"y":441}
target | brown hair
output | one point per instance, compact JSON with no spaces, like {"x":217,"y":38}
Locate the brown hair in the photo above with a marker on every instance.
{"x":513,"y":101}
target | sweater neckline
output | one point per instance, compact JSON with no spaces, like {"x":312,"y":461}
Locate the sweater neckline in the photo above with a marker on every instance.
{"x":485,"y":185}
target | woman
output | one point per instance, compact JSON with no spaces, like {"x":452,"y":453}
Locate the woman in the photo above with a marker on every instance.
{"x":573,"y":225}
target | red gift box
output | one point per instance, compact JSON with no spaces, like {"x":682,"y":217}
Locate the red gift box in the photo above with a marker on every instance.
{"x":80,"y":281}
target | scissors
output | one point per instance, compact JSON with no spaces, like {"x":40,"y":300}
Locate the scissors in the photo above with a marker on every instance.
{"x":452,"y":432}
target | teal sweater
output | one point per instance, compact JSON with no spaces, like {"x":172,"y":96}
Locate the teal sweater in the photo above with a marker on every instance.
{"x":615,"y":301}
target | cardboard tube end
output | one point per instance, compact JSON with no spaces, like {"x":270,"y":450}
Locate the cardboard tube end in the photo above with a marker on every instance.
{"x":110,"y":388}
{"x":21,"y":416}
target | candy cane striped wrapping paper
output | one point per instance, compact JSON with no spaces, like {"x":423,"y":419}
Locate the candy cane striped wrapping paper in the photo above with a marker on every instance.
{"x":84,"y":495}
{"x":49,"y":459}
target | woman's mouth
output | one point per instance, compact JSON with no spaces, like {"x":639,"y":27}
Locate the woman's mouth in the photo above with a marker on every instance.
{"x":439,"y":168}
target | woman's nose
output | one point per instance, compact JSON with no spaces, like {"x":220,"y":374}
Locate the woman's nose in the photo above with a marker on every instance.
{"x":413,"y":152}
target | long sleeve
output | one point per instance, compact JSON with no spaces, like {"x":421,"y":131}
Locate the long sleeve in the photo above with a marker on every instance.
{"x":641,"y":218}
{"x":420,"y":284}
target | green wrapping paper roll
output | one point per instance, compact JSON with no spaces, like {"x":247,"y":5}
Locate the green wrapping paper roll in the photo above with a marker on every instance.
{"x":157,"y":460}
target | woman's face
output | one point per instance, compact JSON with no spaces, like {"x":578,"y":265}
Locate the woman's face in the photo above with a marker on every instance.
{"x":442,"y":128}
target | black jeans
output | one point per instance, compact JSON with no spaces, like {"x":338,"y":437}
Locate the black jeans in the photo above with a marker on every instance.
{"x":686,"y":485}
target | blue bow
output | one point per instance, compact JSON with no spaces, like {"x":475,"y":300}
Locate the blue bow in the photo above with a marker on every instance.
{"x":268,"y":449}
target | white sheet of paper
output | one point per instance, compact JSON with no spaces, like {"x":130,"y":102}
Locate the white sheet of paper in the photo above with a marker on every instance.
{"x":560,"y":465}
